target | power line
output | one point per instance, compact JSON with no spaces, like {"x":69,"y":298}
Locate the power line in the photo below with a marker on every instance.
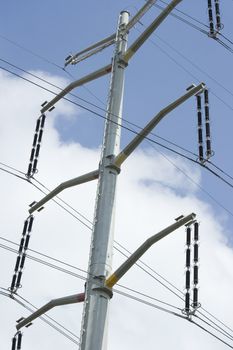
{"x":135,"y":124}
{"x":147,"y":138}
{"x":127,"y":288}
{"x":43,"y":318}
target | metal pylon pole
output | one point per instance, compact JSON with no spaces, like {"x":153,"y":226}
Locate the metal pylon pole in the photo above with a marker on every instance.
{"x":97,"y":295}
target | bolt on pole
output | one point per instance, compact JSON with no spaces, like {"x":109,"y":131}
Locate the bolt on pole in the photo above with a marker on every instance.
{"x":97,"y":296}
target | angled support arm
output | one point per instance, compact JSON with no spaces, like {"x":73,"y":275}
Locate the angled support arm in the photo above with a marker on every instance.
{"x":71,"y":299}
{"x":121,"y":271}
{"x":146,"y":34}
{"x":70,"y":183}
{"x":97,"y":74}
{"x":120,"y":158}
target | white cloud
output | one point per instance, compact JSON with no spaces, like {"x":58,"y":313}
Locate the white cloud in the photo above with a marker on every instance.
{"x":151,"y":193}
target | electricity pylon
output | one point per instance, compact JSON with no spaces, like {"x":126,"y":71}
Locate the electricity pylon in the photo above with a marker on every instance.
{"x":100,"y":281}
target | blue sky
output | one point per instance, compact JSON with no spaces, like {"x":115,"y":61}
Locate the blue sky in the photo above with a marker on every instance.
{"x":174,"y":57}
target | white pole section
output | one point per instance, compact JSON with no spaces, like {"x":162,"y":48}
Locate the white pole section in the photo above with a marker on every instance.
{"x":100,"y":261}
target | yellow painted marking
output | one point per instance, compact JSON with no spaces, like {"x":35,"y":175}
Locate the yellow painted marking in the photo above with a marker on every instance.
{"x":129,"y":53}
{"x":120,"y":159}
{"x":111,"y":281}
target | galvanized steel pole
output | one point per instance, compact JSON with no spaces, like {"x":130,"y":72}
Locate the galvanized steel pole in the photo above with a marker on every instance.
{"x":97,"y":295}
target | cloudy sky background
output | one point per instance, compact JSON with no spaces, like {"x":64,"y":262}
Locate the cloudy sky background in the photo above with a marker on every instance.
{"x":151,"y":193}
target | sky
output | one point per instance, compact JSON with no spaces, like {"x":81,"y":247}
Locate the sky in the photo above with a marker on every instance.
{"x":155,"y":185}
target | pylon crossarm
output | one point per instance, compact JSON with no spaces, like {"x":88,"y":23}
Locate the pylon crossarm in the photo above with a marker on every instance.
{"x":102,"y":44}
{"x":140,"y":14}
{"x":147,"y":32}
{"x":70,"y":183}
{"x":121,"y":271}
{"x":92,"y":76}
{"x":71,"y":299}
{"x":124,"y":154}
{"x":109,"y":40}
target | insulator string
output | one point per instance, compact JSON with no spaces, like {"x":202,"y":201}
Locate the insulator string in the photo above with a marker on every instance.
{"x":36,"y":146}
{"x":20,"y":260}
{"x":211,"y":19}
{"x":199,"y":129}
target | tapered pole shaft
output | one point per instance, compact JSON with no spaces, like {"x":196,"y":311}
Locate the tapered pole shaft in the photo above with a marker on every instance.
{"x":97,"y":298}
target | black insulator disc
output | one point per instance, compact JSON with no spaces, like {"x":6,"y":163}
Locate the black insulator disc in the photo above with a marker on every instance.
{"x":31,"y":220}
{"x":37,"y":124}
{"x":187,"y":279}
{"x":188,"y":257}
{"x":25,"y":227}
{"x":17,"y":263}
{"x":35,"y":140}
{"x":19,"y":279}
{"x":195,"y":274}
{"x":195,"y":246}
{"x":188,"y":236}
{"x":196,"y":231}
{"x":27,"y":242}
{"x":13,"y":282}
{"x":187,"y":302}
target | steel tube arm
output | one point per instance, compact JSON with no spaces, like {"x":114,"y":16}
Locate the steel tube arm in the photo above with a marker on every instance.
{"x":145,"y":35}
{"x":111,"y":39}
{"x":97,"y":74}
{"x":140,"y":13}
{"x":120,"y":158}
{"x":73,"y":182}
{"x":72,"y":299}
{"x":112,"y":280}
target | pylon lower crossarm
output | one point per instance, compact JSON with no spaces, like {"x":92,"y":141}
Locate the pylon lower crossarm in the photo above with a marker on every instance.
{"x":72,"y":299}
{"x":114,"y":278}
{"x":97,"y":74}
{"x":70,"y":183}
{"x":120,"y":158}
